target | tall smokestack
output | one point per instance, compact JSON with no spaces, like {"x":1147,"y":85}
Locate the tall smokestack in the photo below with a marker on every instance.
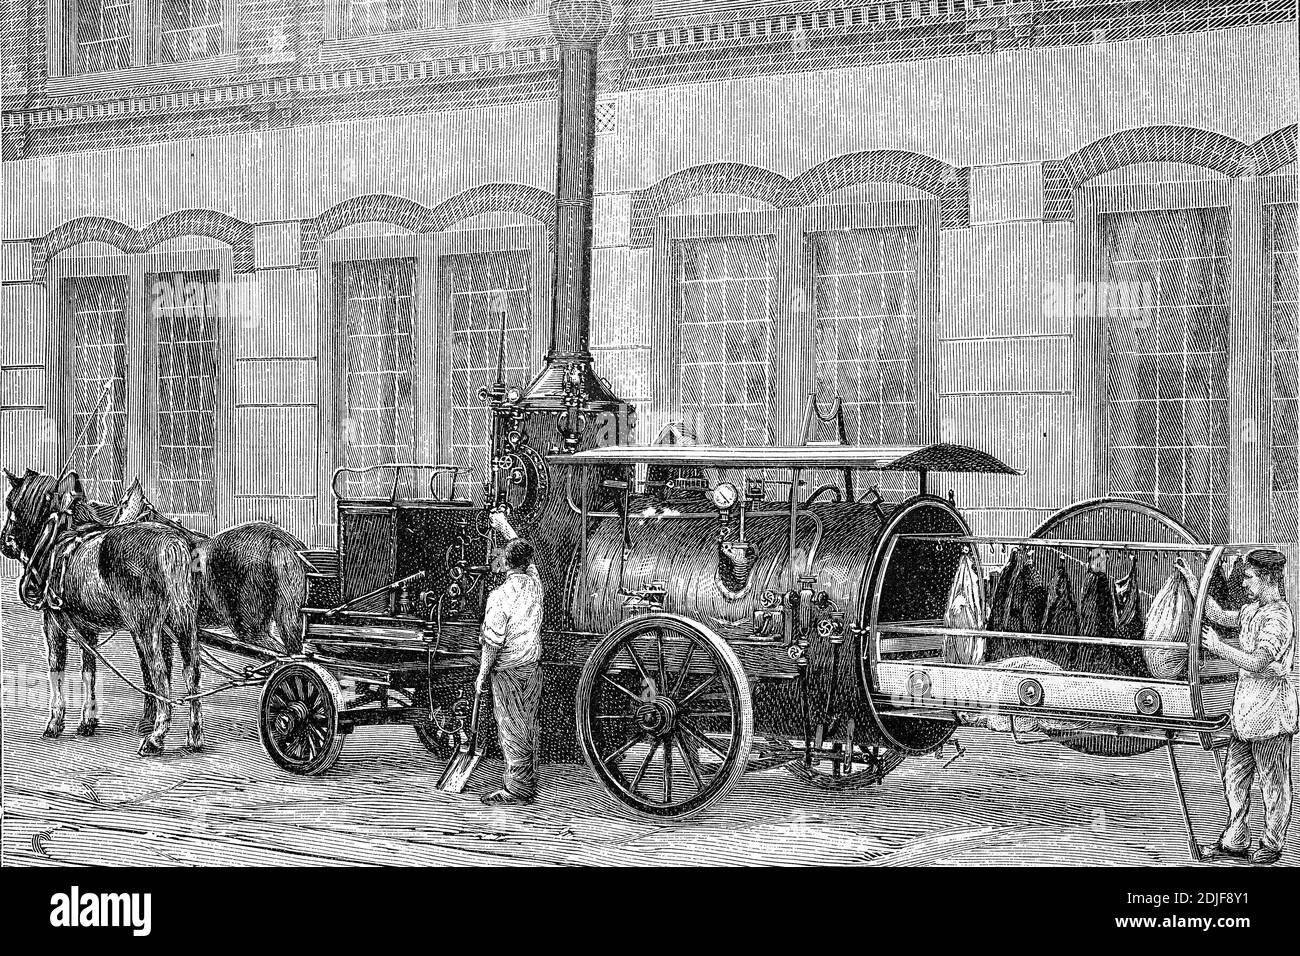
{"x":568,"y":381}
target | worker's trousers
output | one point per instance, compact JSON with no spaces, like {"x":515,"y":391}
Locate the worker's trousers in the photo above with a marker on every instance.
{"x":516,"y":697}
{"x":1269,"y":759}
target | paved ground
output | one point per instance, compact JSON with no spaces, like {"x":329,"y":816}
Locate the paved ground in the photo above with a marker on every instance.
{"x":82,"y":801}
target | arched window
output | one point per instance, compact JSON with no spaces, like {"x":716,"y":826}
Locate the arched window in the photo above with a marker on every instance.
{"x":414,"y":322}
{"x":764,"y":306}
{"x":140,"y":369}
{"x":1184,"y":311}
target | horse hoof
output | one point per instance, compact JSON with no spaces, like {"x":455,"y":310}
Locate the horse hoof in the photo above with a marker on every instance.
{"x":87,"y":728}
{"x":150,"y":748}
{"x":194,"y":747}
{"x":53,"y":729}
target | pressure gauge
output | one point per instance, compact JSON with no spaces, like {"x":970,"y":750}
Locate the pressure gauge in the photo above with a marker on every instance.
{"x":725,"y":496}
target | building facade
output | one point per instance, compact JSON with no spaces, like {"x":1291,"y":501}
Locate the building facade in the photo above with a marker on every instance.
{"x":250,"y":241}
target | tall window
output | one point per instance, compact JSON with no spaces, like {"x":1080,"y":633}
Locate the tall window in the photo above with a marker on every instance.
{"x":864,"y":298}
{"x":184,"y":450}
{"x":475,"y":287}
{"x":102,"y":29}
{"x":97,"y":36}
{"x":486,"y":11}
{"x":355,"y":19}
{"x":376,"y":307}
{"x":95,"y":313}
{"x":189,"y":29}
{"x":1281,"y":222}
{"x":1166,"y":415}
{"x":368,"y":17}
{"x":724,"y":305}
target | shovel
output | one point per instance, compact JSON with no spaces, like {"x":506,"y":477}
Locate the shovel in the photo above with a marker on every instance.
{"x":461,"y":767}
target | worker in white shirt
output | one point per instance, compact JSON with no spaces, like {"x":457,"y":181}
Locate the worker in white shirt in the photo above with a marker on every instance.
{"x":511,"y":660}
{"x":1264,"y":708}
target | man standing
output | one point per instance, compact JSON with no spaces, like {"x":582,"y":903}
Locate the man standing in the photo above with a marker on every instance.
{"x":1264,"y":708}
{"x":511,"y":657}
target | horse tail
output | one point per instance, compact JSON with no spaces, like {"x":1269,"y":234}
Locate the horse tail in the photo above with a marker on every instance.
{"x":290,"y":590}
{"x":178,"y":563}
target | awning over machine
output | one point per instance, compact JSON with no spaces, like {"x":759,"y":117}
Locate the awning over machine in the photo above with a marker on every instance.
{"x":939,"y":457}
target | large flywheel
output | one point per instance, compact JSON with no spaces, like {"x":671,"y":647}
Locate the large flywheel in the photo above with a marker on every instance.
{"x":664,"y":715}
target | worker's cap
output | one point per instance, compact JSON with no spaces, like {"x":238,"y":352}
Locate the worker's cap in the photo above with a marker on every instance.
{"x":1266,"y":559}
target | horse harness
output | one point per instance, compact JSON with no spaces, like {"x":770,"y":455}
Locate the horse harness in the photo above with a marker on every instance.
{"x":42,"y":586}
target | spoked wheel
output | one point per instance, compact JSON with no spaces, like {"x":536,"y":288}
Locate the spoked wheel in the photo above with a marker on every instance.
{"x":664,"y":715}
{"x":299,"y":718}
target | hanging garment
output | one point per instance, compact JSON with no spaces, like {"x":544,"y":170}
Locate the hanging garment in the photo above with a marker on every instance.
{"x":1098,"y":617}
{"x":1132,"y":620}
{"x":1061,"y":617}
{"x":965,"y":611}
{"x":1018,"y":605}
{"x":1227,"y":586}
{"x":1170,"y":620}
{"x":998,"y":606}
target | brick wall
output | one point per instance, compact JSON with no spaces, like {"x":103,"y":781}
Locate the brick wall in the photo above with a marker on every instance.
{"x":1002,"y":140}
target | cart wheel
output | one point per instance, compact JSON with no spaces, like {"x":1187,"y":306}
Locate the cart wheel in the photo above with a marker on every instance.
{"x":664,"y":715}
{"x":298,"y":716}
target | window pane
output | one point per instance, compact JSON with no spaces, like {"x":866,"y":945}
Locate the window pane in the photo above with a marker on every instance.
{"x":1167,"y":369}
{"x":377,"y":300}
{"x":362,"y":18}
{"x":103,"y":35}
{"x":471,"y":282}
{"x":95,"y":311}
{"x":486,"y":11}
{"x":186,"y":315}
{"x":189,"y":29}
{"x":864,"y":299}
{"x":1281,"y":224}
{"x":725,"y":293}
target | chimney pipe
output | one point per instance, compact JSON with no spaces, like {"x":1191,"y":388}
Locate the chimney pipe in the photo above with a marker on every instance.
{"x":568,"y":382}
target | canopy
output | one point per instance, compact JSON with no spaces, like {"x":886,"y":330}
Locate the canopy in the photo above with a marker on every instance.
{"x":939,"y":457}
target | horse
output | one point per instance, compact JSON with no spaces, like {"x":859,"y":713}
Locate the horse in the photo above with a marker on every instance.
{"x":251,"y":580}
{"x":135,"y":577}
{"x":248,"y":577}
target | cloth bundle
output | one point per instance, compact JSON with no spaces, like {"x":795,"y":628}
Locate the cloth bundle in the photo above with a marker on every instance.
{"x":965,"y":611}
{"x":1169,"y":619}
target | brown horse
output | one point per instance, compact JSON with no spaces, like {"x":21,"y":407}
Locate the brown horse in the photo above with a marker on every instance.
{"x":248,"y":578}
{"x":135,"y":577}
